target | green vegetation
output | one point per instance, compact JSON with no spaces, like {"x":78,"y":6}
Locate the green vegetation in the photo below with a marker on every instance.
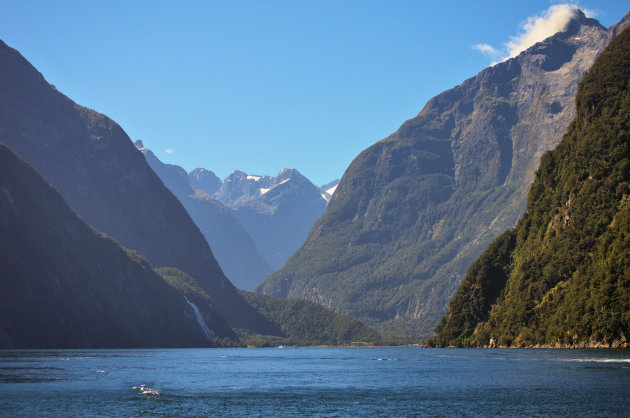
{"x":562,"y":276}
{"x":188,"y":286}
{"x":413,"y":211}
{"x":293,"y":321}
{"x":306,"y":323}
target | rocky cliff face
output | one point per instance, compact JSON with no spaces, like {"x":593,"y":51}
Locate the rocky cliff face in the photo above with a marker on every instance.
{"x":240,"y":187}
{"x":66,"y":285}
{"x":413,"y":211}
{"x":98,"y":171}
{"x":204,"y":180}
{"x":233,"y":248}
{"x":561,"y":277}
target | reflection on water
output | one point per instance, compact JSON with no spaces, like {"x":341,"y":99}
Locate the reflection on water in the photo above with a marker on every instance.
{"x":315,"y":381}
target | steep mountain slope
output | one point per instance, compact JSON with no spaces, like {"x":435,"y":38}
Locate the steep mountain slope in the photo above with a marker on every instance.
{"x":279,"y":218}
{"x":562,"y":276}
{"x":63,"y":284}
{"x":413,"y":211}
{"x":233,"y":248}
{"x":98,"y":171}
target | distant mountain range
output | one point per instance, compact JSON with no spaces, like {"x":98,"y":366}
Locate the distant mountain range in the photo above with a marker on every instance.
{"x":65,"y":284}
{"x":253,"y":223}
{"x":204,"y":180}
{"x":414,"y":210}
{"x":277,"y":212}
{"x":232,"y":246}
{"x":561,"y":278}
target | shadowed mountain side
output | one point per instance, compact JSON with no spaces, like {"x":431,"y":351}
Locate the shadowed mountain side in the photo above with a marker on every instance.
{"x":561,"y":278}
{"x":413,"y":211}
{"x":233,"y":248}
{"x":65,"y":285}
{"x":98,"y":171}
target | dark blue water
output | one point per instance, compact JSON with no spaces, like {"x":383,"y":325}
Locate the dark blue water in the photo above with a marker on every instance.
{"x":315,"y":381}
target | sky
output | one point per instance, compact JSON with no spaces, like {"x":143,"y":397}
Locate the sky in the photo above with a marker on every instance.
{"x":263,"y":85}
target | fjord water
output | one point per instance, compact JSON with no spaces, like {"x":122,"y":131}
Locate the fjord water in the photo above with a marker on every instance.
{"x":314,"y":381}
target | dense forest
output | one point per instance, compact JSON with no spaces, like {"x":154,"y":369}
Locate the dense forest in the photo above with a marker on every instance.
{"x":562,"y":276}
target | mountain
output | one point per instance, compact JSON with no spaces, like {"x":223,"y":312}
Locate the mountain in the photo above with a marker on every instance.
{"x":204,"y":180}
{"x":279,"y":218}
{"x":294,"y":321}
{"x":240,"y":187}
{"x":562,"y":276}
{"x":327,"y":190}
{"x":233,"y":248}
{"x":65,"y":285}
{"x":413,"y":211}
{"x":92,"y":162}
{"x":303,"y":322}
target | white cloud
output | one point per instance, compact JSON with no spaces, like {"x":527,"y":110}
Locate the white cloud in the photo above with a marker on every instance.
{"x":538,"y":28}
{"x":487,"y":49}
{"x":169,"y":151}
{"x":535,"y":29}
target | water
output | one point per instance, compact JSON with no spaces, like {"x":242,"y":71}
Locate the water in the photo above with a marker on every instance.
{"x":315,"y":381}
{"x":202,"y":323}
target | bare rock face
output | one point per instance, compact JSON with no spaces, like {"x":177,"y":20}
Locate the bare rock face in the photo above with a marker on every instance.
{"x":414,"y":210}
{"x":240,"y":187}
{"x":204,"y":180}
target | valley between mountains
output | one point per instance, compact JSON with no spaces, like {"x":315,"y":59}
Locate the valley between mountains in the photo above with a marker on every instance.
{"x":499,"y":214}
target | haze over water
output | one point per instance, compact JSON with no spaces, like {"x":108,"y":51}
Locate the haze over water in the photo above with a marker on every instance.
{"x":314,"y":381}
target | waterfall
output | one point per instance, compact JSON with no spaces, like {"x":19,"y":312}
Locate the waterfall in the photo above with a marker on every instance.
{"x":209,"y":333}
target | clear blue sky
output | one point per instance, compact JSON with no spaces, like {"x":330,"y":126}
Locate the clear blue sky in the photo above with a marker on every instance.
{"x":263,"y":85}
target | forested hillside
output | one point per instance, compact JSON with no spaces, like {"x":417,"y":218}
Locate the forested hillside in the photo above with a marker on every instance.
{"x":562,"y":276}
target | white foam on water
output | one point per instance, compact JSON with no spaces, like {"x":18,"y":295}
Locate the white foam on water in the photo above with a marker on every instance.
{"x":145,"y":390}
{"x":599,"y":360}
